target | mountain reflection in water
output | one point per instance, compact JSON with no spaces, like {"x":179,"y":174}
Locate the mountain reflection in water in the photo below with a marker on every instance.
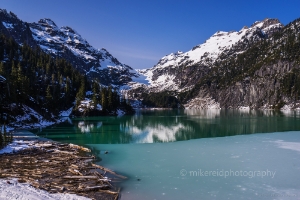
{"x":152,"y":126}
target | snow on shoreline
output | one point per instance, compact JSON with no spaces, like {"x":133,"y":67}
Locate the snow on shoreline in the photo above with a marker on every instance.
{"x":31,"y":119}
{"x":120,"y":113}
{"x":11,"y":189}
{"x":15,"y":146}
{"x":66,"y":113}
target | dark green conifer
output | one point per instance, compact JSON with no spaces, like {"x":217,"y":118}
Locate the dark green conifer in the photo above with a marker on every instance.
{"x":1,"y":138}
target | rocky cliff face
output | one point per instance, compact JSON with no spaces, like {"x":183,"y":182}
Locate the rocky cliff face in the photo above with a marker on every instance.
{"x":65,"y":42}
{"x":263,"y":90}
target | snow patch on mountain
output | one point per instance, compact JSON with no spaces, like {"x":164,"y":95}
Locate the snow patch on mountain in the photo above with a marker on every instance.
{"x":51,"y":38}
{"x":8,"y":25}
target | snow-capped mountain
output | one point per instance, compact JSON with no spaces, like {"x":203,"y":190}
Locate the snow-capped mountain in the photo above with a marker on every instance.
{"x":167,"y":74}
{"x":65,"y":42}
{"x":255,"y":68}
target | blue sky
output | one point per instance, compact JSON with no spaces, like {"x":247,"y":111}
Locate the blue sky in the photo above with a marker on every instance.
{"x":140,"y":32}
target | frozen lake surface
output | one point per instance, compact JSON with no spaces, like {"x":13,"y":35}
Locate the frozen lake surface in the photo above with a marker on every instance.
{"x":257,"y":166}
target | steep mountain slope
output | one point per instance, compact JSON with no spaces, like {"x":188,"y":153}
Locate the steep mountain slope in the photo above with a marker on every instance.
{"x":36,"y":89}
{"x":167,"y":73}
{"x":66,"y":43}
{"x":259,"y":68}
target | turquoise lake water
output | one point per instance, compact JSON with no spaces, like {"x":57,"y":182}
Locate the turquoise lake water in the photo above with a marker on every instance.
{"x":166,"y":153}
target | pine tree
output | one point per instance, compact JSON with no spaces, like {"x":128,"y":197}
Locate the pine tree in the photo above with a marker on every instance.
{"x":2,"y":70}
{"x":1,"y":48}
{"x":95,"y":93}
{"x":110,"y":98}
{"x":116,"y":99}
{"x":14,"y":71}
{"x":1,"y":138}
{"x":103,"y":99}
{"x":13,"y":82}
{"x":53,"y":79}
{"x":61,"y":81}
{"x":48,"y":68}
{"x":11,"y":136}
{"x":67,"y":90}
{"x":49,"y":97}
{"x":123,"y":101}
{"x":20,"y":84}
{"x":5,"y":139}
{"x":81,"y":92}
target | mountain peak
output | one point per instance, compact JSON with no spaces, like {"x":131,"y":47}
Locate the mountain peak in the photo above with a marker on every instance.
{"x":219,"y":33}
{"x":3,"y":11}
{"x":8,"y":14}
{"x":265,"y":23}
{"x":47,"y":21}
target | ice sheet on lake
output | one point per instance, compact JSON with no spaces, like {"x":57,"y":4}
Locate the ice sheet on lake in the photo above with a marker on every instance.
{"x":173,"y":170}
{"x":288,"y":145}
